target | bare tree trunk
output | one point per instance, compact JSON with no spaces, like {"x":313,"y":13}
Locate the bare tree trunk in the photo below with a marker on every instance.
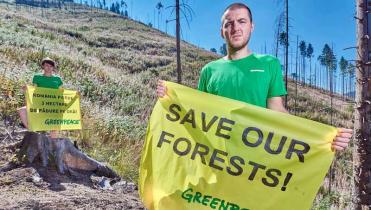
{"x":310,"y":71}
{"x":328,"y":80}
{"x":300,"y":67}
{"x":277,"y":41}
{"x":343,"y":87}
{"x":320,"y":77}
{"x":303,"y":57}
{"x":315,"y":75}
{"x":296,"y":72}
{"x":331,"y":94}
{"x":178,"y":64}
{"x":287,"y":48}
{"x":350,"y":87}
{"x":331,"y":171}
{"x":320,"y":82}
{"x":362,"y":113}
{"x":279,"y":29}
{"x":335,"y":80}
{"x":346,"y":88}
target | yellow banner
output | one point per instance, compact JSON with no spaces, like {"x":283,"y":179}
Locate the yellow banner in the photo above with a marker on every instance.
{"x":52,"y":109}
{"x":208,"y":152}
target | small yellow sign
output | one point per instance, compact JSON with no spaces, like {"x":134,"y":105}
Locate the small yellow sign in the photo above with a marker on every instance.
{"x":52,"y":109}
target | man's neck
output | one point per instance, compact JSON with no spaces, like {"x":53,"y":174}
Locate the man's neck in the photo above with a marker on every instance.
{"x":238,"y":54}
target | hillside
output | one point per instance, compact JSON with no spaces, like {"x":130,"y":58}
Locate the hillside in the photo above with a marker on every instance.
{"x":115,"y":63}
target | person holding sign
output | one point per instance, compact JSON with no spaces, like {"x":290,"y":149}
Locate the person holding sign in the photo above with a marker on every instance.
{"x":47,"y":79}
{"x":246,"y":76}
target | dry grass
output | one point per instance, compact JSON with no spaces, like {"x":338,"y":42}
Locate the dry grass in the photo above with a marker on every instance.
{"x":115,"y":62}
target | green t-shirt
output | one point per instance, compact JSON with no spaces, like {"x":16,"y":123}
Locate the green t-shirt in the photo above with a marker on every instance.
{"x":252,"y":79}
{"x":53,"y":81}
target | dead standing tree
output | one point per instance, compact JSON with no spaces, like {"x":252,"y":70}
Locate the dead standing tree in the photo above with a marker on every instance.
{"x":187,"y":12}
{"x":362,"y":113}
{"x":282,"y":38}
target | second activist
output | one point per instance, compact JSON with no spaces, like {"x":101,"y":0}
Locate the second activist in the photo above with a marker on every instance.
{"x":46,"y":79}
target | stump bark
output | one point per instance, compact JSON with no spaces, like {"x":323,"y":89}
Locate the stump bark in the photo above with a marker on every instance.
{"x":61,"y":152}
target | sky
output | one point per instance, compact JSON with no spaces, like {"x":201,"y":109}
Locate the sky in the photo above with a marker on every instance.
{"x":315,"y":21}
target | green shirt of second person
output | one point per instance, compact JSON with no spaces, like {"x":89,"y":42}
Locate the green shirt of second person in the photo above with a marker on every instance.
{"x":52,"y":81}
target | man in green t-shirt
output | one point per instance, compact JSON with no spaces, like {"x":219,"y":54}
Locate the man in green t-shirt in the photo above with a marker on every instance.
{"x":47,"y":79}
{"x":254,"y":79}
{"x":245,"y":76}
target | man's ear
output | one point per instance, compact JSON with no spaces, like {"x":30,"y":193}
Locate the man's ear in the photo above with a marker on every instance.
{"x":221,"y":32}
{"x":252,"y":27}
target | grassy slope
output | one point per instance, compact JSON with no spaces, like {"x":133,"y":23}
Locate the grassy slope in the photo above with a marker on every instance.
{"x":115,"y":63}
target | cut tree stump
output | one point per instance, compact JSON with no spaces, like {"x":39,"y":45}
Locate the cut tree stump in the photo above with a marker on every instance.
{"x":60,"y":152}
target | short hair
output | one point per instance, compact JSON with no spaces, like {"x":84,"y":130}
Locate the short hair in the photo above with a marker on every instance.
{"x":238,"y":5}
{"x":48,"y":62}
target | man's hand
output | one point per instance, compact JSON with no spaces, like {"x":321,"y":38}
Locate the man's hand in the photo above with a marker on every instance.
{"x":161,"y":89}
{"x":342,"y":139}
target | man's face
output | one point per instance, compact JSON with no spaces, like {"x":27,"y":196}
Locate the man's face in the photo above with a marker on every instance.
{"x":48,"y":68}
{"x":236,"y":28}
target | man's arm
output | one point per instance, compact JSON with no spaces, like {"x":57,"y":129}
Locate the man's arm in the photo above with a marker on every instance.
{"x":276,"y":104}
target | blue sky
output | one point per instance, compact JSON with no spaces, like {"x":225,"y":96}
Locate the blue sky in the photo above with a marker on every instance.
{"x":314,"y":21}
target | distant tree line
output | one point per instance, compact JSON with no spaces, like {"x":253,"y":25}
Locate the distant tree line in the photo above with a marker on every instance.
{"x":44,"y":3}
{"x":116,"y":7}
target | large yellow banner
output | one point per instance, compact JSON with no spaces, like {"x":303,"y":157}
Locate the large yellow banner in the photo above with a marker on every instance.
{"x":208,"y":152}
{"x":52,"y":109}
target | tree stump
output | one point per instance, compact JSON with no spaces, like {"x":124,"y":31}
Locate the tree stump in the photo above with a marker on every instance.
{"x":62,"y":153}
